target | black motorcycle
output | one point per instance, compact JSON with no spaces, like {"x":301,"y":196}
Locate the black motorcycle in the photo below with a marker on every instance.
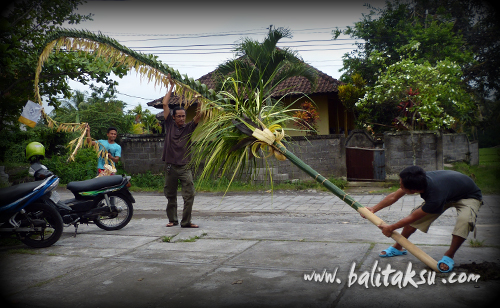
{"x":104,"y":201}
{"x":27,"y":212}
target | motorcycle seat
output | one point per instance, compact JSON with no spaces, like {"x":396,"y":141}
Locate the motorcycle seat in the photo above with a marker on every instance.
{"x":99,"y":183}
{"x":15,"y":192}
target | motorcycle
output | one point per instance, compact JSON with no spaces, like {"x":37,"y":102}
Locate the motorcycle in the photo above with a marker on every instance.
{"x":104,"y":201}
{"x":26,"y":211}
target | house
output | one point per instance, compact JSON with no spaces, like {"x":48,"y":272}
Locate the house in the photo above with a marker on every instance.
{"x":333,"y":115}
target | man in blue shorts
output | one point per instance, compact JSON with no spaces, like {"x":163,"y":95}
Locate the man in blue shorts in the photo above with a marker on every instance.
{"x":440,"y":190}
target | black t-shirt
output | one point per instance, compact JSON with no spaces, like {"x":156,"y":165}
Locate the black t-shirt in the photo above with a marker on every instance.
{"x":444,"y":186}
{"x":177,"y":143}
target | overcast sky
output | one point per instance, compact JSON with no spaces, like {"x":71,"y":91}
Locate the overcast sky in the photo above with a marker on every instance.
{"x":194,"y":37}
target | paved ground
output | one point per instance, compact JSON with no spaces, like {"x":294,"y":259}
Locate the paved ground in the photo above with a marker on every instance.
{"x":252,"y":250}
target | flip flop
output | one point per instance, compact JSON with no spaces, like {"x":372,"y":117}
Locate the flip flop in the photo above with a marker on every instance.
{"x":190,"y":226}
{"x":393,"y":252}
{"x":448,"y":261}
{"x":171,"y":224}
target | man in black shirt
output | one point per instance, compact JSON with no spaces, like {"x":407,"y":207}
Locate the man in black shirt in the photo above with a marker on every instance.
{"x":176,"y":158}
{"x":440,"y":190}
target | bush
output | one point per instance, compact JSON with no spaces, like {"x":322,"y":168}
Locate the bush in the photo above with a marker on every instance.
{"x":83,"y":168}
{"x":148,"y":181}
{"x":14,"y":142}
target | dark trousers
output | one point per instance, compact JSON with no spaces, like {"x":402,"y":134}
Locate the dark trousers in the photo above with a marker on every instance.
{"x":174,"y":174}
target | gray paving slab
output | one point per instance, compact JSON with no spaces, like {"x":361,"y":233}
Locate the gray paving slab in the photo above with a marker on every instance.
{"x":249,"y":251}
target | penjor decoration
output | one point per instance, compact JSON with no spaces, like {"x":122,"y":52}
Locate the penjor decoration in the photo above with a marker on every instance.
{"x":240,"y":122}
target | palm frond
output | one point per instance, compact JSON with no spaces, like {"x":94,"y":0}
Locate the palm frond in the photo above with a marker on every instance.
{"x":146,"y":66}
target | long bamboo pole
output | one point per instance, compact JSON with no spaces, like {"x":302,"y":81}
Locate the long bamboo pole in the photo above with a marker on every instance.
{"x":412,"y":248}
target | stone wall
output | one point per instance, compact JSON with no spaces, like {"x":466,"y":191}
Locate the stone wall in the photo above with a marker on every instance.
{"x":142,"y":153}
{"x":326,"y":153}
{"x":426,"y":150}
{"x":456,"y":147}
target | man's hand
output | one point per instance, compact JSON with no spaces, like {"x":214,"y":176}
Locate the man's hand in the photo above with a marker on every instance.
{"x":386,"y":229}
{"x":115,"y":159}
{"x":89,"y":139}
{"x":369,"y":209}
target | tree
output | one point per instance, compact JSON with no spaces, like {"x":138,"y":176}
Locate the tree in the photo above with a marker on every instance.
{"x":426,"y":96}
{"x":398,"y":28}
{"x":145,"y":121}
{"x":478,"y":22}
{"x":349,"y":94}
{"x":100,"y":110}
{"x":24,"y":27}
{"x":263,"y":65}
{"x":424,"y":33}
{"x":74,"y":105}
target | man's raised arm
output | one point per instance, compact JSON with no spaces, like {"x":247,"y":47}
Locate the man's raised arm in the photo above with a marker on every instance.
{"x":197,"y":117}
{"x":166,"y":99}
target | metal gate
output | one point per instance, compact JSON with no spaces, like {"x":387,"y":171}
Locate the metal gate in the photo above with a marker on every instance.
{"x":365,"y":164}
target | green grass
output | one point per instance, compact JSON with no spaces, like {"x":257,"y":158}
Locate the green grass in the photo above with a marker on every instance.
{"x":193,"y":238}
{"x":489,"y":157}
{"x":7,"y":241}
{"x":24,"y":251}
{"x":476,"y":243}
{"x":154,"y":182}
{"x":487,"y":173}
{"x":221,"y":184}
{"x":167,"y":239}
{"x":387,"y":190}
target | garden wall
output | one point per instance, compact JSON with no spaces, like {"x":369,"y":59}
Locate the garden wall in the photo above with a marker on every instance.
{"x":142,"y":153}
{"x":457,"y":147}
{"x":326,"y":153}
{"x":403,"y":148}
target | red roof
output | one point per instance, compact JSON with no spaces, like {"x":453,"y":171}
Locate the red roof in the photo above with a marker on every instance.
{"x":325,"y":84}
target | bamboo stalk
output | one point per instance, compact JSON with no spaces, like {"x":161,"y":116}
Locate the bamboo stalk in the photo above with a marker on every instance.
{"x":412,"y":248}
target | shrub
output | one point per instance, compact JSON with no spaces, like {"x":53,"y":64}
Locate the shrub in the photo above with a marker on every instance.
{"x":83,"y":168}
{"x":148,"y":180}
{"x":14,"y":142}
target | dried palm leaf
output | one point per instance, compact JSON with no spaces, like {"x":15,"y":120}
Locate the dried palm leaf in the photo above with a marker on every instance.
{"x":145,"y":65}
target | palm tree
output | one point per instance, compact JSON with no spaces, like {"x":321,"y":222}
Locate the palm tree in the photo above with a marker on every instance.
{"x":75,"y":104}
{"x":264,"y":65}
{"x":138,"y":113}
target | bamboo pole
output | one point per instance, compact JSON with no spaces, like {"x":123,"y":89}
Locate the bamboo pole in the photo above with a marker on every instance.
{"x":412,"y":248}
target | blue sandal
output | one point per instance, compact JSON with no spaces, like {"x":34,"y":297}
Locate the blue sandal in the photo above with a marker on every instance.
{"x":393,"y":252}
{"x":448,"y":261}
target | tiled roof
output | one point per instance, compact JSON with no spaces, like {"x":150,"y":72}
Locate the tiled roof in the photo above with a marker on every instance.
{"x":325,"y":84}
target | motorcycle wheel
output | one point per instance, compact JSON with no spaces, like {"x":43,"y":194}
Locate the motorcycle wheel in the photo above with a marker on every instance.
{"x":51,"y":231}
{"x":118,"y":218}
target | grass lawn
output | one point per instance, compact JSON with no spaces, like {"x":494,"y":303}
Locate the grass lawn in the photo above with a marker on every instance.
{"x":487,"y":173}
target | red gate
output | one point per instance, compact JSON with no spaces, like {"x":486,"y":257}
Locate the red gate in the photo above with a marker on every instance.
{"x":365,"y":164}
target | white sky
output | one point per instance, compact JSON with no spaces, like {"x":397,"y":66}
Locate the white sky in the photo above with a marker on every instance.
{"x":138,"y":24}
